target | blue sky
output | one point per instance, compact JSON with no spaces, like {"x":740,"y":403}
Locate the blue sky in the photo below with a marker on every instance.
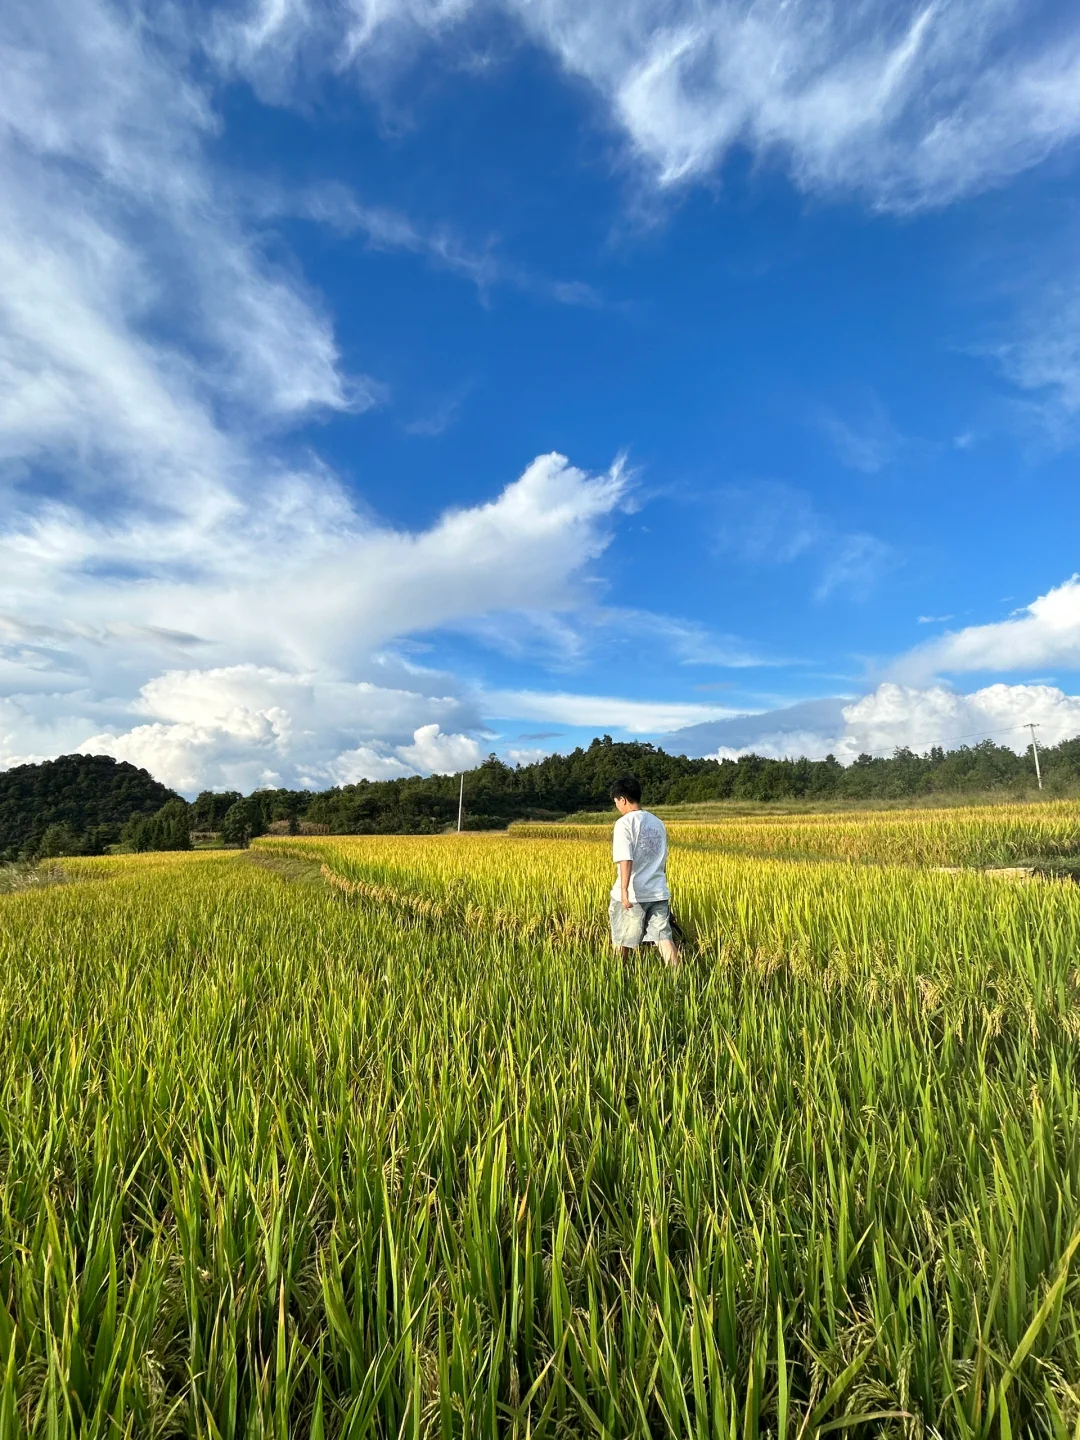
{"x":384,"y":383}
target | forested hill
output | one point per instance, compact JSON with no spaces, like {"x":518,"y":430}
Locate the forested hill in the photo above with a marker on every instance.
{"x":84,"y":800}
{"x":79,"y":804}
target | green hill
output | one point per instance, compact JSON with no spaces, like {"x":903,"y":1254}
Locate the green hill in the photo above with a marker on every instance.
{"x":90,"y":796}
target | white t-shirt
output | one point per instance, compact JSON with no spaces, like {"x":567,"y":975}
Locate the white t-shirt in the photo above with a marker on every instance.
{"x":641,"y":838}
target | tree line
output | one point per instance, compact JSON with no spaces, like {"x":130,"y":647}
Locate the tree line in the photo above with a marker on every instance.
{"x":88,"y":804}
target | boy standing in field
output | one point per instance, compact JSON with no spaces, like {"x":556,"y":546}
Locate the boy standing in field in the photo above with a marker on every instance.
{"x":640,"y":908}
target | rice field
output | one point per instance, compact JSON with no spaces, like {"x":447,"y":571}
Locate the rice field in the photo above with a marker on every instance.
{"x":976,"y":835}
{"x":375,"y":1137}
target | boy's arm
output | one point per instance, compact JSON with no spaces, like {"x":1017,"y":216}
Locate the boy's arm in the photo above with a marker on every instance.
{"x":622,"y":851}
{"x":624,"y":882}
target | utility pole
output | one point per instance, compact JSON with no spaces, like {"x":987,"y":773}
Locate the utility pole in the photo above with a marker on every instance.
{"x":1035,"y":751}
{"x":461,"y":799}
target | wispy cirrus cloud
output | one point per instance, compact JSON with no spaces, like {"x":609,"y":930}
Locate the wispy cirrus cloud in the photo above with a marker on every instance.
{"x":855,"y":564}
{"x":1041,"y":356}
{"x":117,"y":232}
{"x":567,"y":641}
{"x":866,"y":440}
{"x":598,"y":711}
{"x":770,"y":523}
{"x":436,"y":421}
{"x":387,"y":229}
{"x":910,"y":104}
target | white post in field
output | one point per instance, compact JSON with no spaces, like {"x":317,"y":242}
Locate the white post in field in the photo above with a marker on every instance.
{"x":1035,"y":752}
{"x":461,"y":799}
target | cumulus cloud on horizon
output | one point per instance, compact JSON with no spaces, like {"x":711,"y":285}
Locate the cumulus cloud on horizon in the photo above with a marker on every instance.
{"x":889,"y":718}
{"x":246,"y":727}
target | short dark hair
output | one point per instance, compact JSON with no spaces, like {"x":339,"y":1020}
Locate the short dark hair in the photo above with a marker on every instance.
{"x":627,"y":788}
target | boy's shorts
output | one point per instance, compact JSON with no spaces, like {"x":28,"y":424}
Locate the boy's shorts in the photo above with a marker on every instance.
{"x":648,"y":923}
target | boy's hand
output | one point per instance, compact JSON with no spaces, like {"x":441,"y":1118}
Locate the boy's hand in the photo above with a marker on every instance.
{"x":626,"y":901}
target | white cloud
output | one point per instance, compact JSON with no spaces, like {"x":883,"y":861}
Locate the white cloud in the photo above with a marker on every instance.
{"x":913,"y":708}
{"x":604,"y":712}
{"x":191,"y":757}
{"x":1044,"y":633}
{"x":115,"y":230}
{"x":894,"y":716}
{"x":293,"y":600}
{"x":525,"y":755}
{"x":365,"y":762}
{"x":783,"y":745}
{"x":278,"y":43}
{"x":245,"y":726}
{"x":36,"y":727}
{"x":139,"y":494}
{"x":239,"y":726}
{"x":909,"y":103}
{"x":439,"y":754}
{"x":901,"y":715}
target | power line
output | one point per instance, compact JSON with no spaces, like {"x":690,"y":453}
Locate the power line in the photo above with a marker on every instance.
{"x":989,"y":734}
{"x":1031,"y":725}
